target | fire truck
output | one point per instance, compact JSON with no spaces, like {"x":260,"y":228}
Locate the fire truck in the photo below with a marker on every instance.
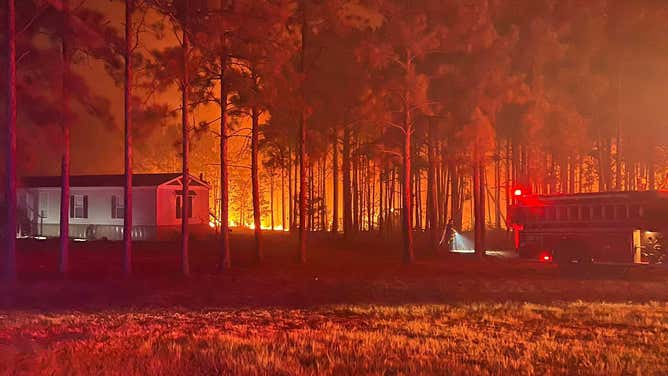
{"x":587,"y":228}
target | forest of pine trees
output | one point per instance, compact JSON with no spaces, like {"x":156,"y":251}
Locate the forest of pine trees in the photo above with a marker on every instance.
{"x":385,"y":116}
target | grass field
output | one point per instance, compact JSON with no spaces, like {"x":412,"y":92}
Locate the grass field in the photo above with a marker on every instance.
{"x":354,"y":309}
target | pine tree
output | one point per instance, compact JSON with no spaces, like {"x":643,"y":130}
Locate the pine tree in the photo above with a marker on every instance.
{"x":65,"y":124}
{"x":127,"y":198}
{"x":10,"y":190}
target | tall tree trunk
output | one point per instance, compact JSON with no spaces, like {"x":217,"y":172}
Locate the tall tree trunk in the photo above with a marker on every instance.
{"x":323,"y":189}
{"x":439,"y":184}
{"x":283,"y":224}
{"x":65,"y":165}
{"x":481,"y":210}
{"x":571,"y":174}
{"x":390,"y":204}
{"x":255,"y":182}
{"x":347,"y":193}
{"x":476,"y":208}
{"x":373,"y":197}
{"x":311,"y":198}
{"x":431,"y":189}
{"x":518,"y":164}
{"x":407,"y":221}
{"x":651,"y":170}
{"x":580,"y":163}
{"x":127,"y":198}
{"x":335,"y":183}
{"x":185,"y":131}
{"x":355,"y":193}
{"x":497,"y":189}
{"x":271,"y":200}
{"x":417,"y":196}
{"x":446,"y":191}
{"x":455,"y":196}
{"x":295,"y":189}
{"x":418,"y":199}
{"x":508,"y":183}
{"x":603,"y":165}
{"x":369,"y":202}
{"x":563,"y":174}
{"x":302,"y":189}
{"x":409,"y":254}
{"x":302,"y":144}
{"x":381,"y":198}
{"x":618,"y":157}
{"x":225,"y":254}
{"x":618,"y":136}
{"x":291,"y":200}
{"x":10,"y":193}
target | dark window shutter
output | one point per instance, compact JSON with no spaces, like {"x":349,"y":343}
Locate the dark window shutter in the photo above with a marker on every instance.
{"x":71,"y":206}
{"x":178,"y":207}
{"x":190,"y":206}
{"x":85,"y":200}
{"x":113,"y":206}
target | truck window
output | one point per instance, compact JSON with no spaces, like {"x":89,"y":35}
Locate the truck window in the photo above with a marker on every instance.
{"x":597,"y":212}
{"x":573,"y":213}
{"x":585,"y":213}
{"x":620,"y":212}
{"x":563,"y":213}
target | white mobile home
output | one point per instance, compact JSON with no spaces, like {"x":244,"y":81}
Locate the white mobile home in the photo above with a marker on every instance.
{"x":96,"y":206}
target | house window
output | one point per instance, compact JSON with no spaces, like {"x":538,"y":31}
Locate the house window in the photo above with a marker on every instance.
{"x":43,"y":204}
{"x":179,"y":208}
{"x":117,"y":207}
{"x":79,"y":206}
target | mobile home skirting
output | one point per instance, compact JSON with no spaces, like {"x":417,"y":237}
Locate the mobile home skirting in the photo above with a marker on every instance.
{"x":115,"y":232}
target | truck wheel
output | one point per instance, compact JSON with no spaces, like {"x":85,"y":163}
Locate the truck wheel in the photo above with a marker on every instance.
{"x":572,"y":252}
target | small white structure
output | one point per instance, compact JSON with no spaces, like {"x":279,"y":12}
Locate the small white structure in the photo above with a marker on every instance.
{"x":96,"y":206}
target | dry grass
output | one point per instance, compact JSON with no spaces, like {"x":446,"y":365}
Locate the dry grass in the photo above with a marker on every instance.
{"x":511,"y":338}
{"x":352,"y":310}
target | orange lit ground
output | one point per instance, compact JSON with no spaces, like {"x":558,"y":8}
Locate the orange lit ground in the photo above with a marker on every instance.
{"x":354,"y":309}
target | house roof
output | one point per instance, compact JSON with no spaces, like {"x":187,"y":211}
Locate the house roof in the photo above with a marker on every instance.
{"x":138,"y":180}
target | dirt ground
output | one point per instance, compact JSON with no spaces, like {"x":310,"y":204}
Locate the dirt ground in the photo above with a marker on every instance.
{"x":354,"y":308}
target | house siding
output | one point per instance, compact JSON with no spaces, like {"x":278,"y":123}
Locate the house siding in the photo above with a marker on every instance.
{"x":169,"y":227}
{"x":99,"y":223}
{"x":154,"y":212}
{"x":166,"y":210}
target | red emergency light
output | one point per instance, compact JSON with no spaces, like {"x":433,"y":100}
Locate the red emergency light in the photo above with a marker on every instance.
{"x":545,"y":256}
